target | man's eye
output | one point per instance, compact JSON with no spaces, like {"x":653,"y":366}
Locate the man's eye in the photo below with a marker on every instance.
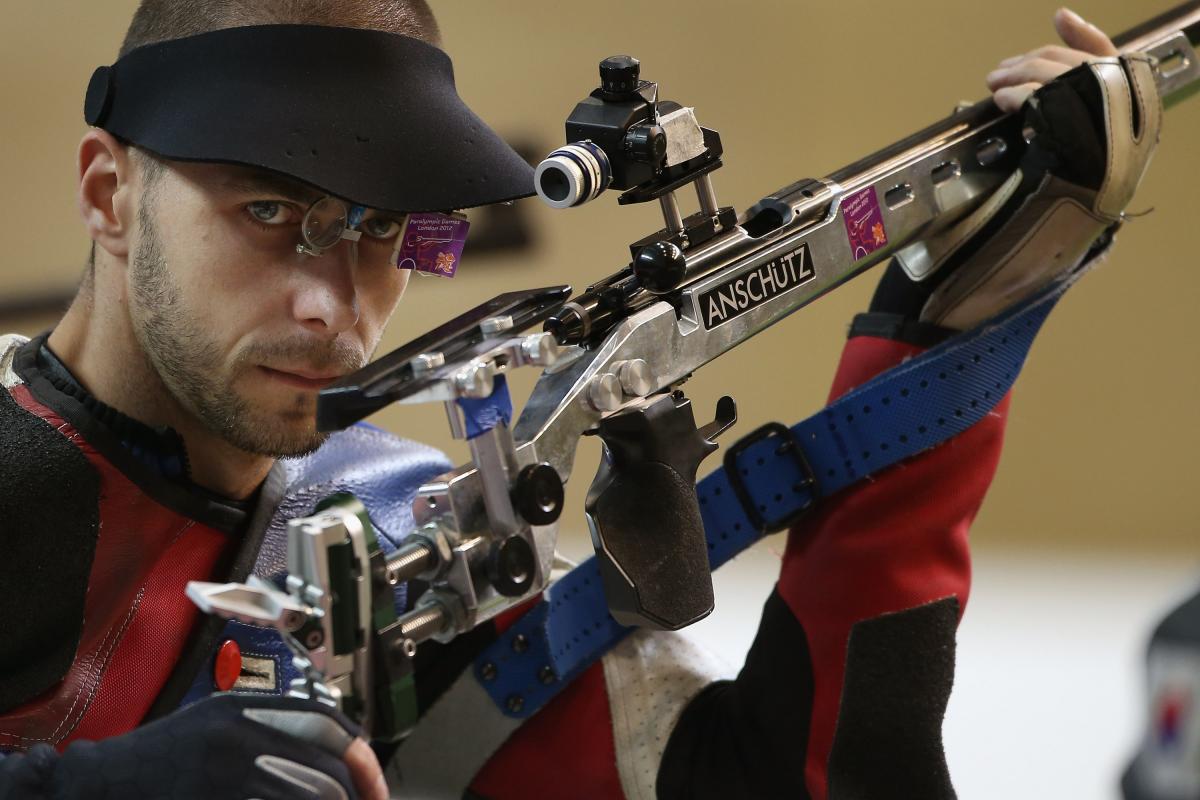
{"x":381,"y":227}
{"x":271,"y":212}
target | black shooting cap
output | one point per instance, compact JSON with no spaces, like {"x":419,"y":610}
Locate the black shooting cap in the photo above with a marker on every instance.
{"x":369,"y":116}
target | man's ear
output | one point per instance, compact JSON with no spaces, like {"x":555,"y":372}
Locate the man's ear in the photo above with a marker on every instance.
{"x":106,"y":196}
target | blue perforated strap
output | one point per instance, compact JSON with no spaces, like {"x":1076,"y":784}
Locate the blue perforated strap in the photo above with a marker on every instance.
{"x":904,"y":411}
{"x":769,"y":479}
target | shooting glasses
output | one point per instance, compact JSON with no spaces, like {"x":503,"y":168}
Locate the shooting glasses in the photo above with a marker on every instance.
{"x":428,"y":243}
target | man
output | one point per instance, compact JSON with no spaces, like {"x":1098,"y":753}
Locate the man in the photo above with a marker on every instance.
{"x":193,"y":393}
{"x":190,"y":362}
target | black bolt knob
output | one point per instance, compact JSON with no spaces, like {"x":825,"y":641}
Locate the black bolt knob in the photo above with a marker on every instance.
{"x":512,"y":566}
{"x":538,"y":494}
{"x":619,"y":74}
{"x":660,"y":266}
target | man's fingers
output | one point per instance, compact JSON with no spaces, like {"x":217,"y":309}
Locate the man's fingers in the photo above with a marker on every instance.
{"x":1051,"y":52}
{"x":1011,"y":98}
{"x":1018,"y":77}
{"x":1079,"y":34}
{"x":365,"y":771}
{"x":1034,"y":70}
{"x":1064,"y":55}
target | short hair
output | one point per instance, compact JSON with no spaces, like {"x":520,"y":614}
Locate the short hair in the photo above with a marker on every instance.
{"x":163,"y":20}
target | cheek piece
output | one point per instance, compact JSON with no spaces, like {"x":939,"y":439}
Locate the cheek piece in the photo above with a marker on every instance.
{"x":365,"y":115}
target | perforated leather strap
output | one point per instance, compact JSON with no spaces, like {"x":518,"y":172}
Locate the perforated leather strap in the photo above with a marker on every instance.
{"x":769,"y":479}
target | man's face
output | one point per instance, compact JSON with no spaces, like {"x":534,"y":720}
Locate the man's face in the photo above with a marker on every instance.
{"x":243,"y":329}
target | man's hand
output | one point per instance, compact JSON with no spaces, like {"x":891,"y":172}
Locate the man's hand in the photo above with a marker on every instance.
{"x":226,"y":747}
{"x":1093,"y":117}
{"x":1016,"y":78}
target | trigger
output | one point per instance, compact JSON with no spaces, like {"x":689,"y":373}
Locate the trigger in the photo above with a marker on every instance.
{"x":726,"y":416}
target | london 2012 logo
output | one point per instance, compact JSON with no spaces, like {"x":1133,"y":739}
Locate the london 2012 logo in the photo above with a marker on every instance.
{"x":756,"y":286}
{"x":864,"y":223}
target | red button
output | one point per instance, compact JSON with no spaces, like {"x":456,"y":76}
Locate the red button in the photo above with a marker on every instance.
{"x":227,"y":666}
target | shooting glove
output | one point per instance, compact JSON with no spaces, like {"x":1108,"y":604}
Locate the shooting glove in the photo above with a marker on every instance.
{"x":1094,"y":131}
{"x":224,"y":747}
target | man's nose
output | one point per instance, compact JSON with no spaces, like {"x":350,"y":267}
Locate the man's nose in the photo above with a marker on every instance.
{"x":325,"y":299}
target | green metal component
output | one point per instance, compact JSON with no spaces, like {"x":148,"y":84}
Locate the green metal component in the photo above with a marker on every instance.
{"x":397,"y":710}
{"x":342,"y":571}
{"x":352,"y":504}
{"x":395,"y":693}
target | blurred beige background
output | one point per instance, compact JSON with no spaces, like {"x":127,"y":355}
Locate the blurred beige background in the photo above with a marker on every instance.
{"x":1103,"y":425}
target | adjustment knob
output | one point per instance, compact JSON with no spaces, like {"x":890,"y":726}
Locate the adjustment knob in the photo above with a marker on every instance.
{"x":619,"y":74}
{"x":538,"y":494}
{"x":512,"y":566}
{"x":647,"y":143}
{"x":660,"y":267}
{"x":604,"y":392}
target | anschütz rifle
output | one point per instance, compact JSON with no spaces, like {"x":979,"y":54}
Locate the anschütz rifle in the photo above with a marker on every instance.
{"x":613,"y":358}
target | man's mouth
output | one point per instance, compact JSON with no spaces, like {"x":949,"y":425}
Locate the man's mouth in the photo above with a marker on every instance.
{"x":311,"y":380}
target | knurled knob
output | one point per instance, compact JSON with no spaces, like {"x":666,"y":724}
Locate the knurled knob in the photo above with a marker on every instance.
{"x":620,"y":74}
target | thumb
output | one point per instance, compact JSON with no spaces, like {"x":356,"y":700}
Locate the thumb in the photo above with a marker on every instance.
{"x":365,"y":771}
{"x":1079,"y":34}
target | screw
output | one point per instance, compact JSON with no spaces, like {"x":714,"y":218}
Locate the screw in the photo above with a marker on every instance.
{"x":314,"y":639}
{"x":493,"y":325}
{"x":540,"y":349}
{"x":546,"y":675}
{"x":427,"y":361}
{"x":403,"y":650}
{"x":475,"y":380}
{"x":488,"y":671}
{"x":520,"y":643}
{"x":515,"y":703}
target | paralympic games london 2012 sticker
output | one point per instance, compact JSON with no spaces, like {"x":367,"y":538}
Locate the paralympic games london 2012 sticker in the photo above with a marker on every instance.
{"x":864,"y":223}
{"x":432,"y":243}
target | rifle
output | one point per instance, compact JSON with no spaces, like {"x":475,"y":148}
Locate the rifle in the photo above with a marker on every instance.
{"x":613,"y":360}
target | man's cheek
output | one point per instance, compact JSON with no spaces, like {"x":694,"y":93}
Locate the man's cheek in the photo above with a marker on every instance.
{"x":382,"y":302}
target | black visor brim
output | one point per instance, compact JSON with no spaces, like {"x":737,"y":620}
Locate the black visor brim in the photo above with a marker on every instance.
{"x":369,"y":116}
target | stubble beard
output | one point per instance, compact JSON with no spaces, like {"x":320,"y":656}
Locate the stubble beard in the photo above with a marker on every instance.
{"x":189,"y":362}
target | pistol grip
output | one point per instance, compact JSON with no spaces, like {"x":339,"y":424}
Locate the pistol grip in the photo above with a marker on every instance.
{"x":645,"y":519}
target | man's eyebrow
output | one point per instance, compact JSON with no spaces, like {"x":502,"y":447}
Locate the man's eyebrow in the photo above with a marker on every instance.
{"x":270,"y":185}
